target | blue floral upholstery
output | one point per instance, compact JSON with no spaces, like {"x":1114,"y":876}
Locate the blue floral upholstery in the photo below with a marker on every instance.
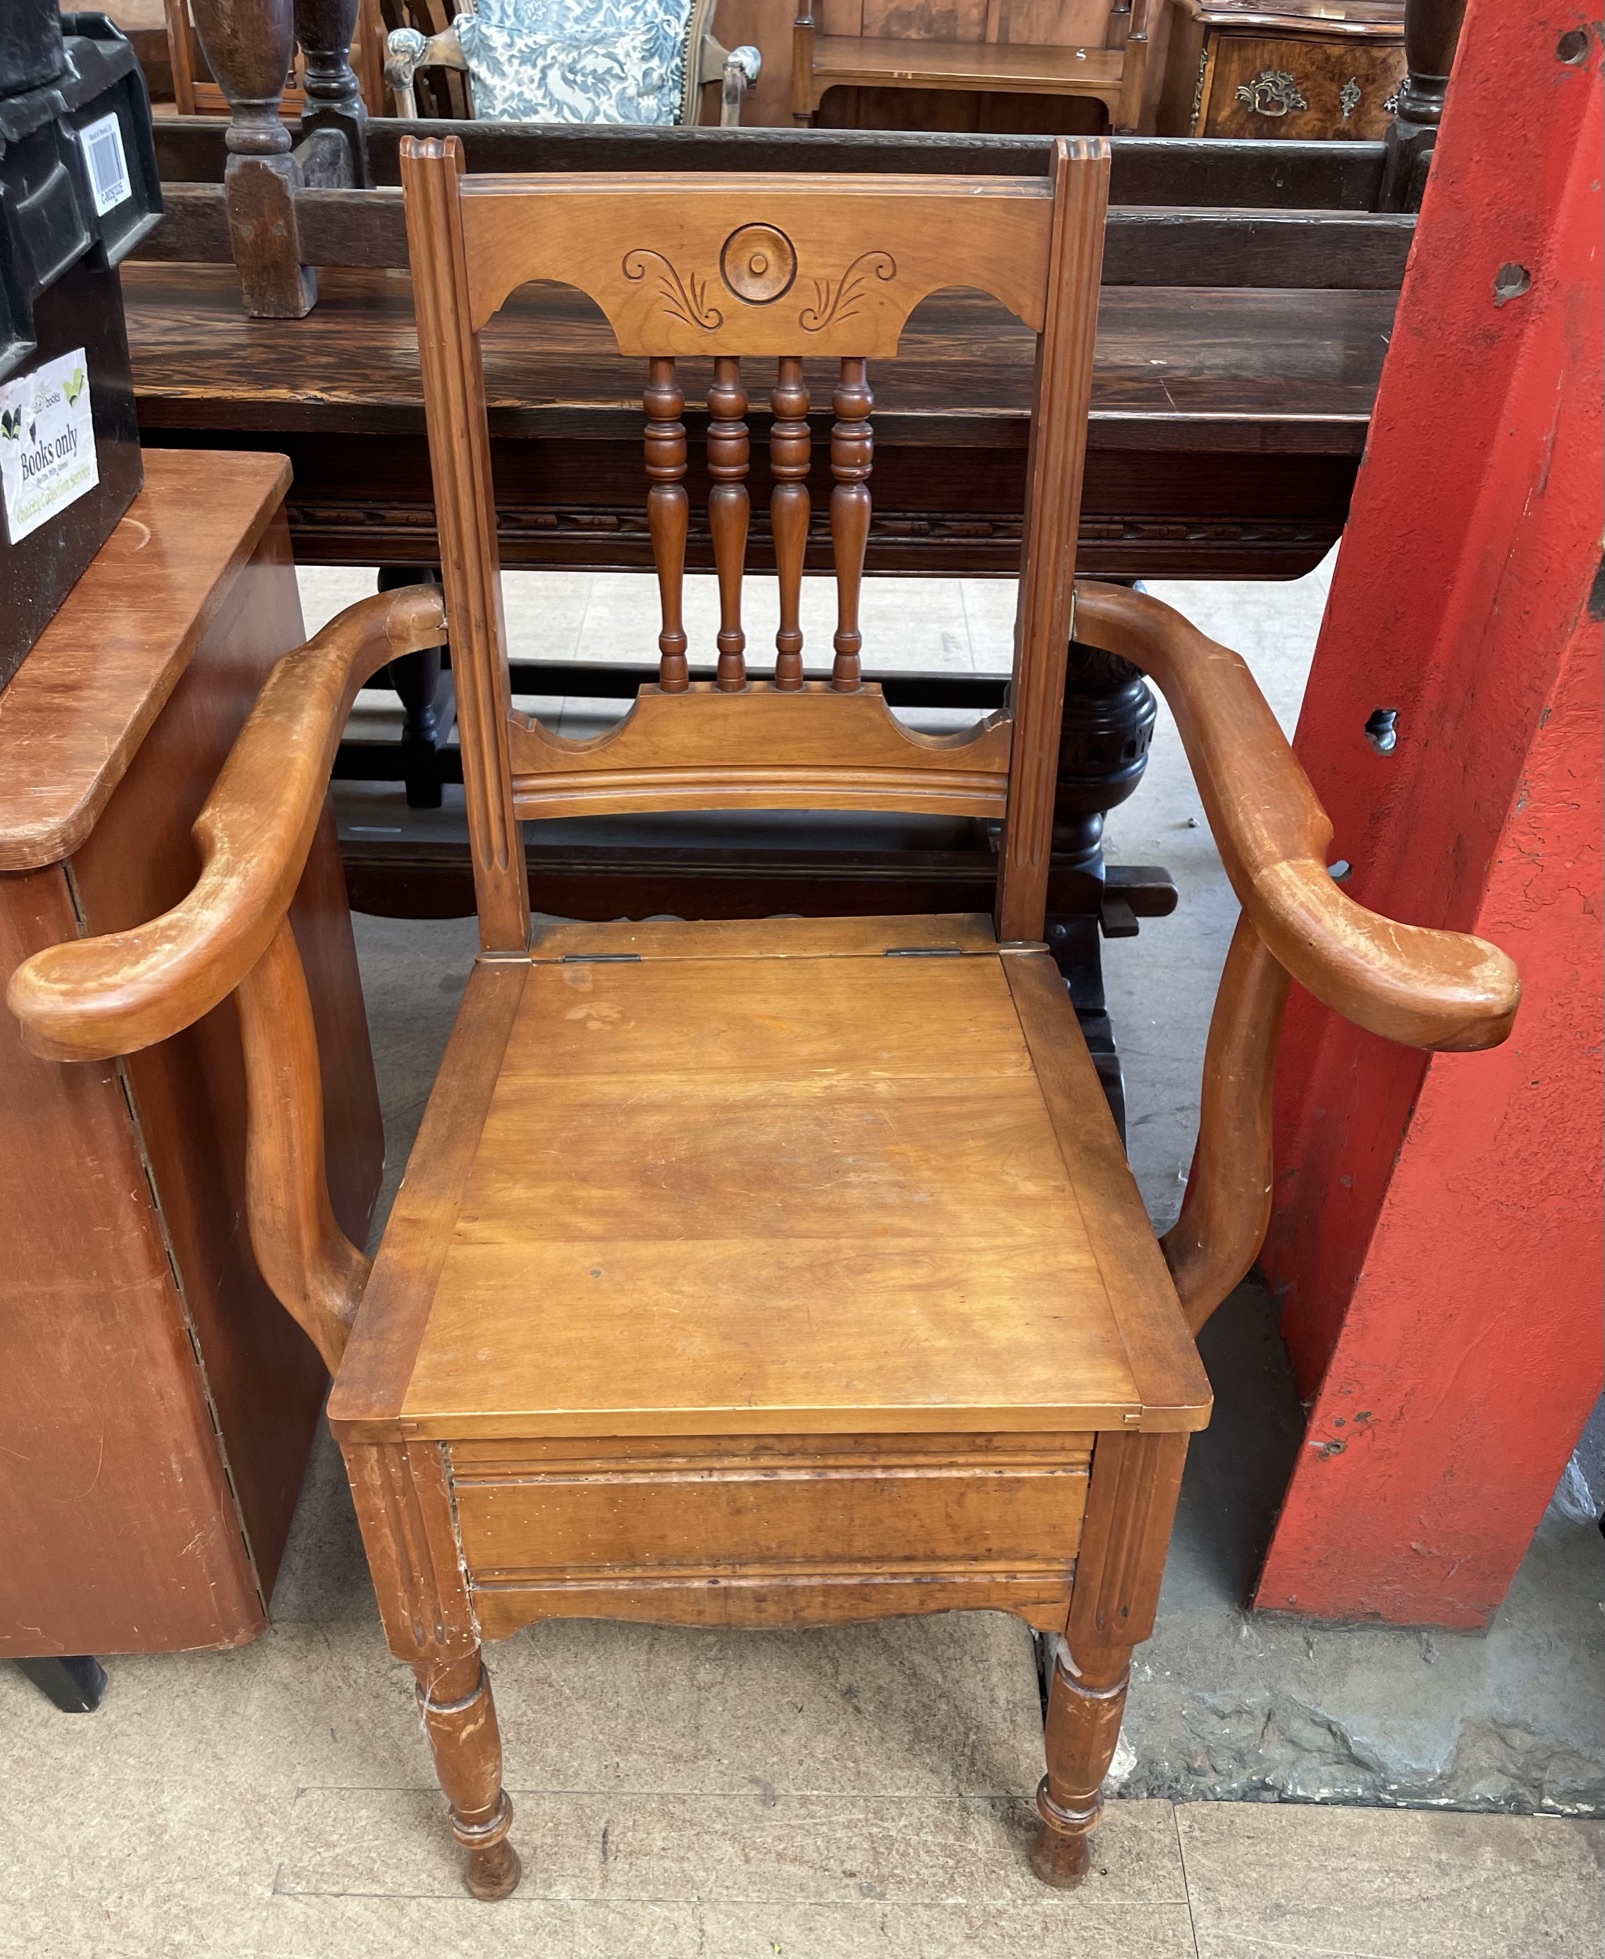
{"x":617,"y":61}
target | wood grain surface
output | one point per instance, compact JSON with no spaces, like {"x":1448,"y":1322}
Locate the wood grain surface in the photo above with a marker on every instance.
{"x":658,"y":1236}
{"x":122,"y":991}
{"x":1408,"y":983}
{"x":1225,"y":431}
{"x":135,"y":1328}
{"x":770,"y":1530}
{"x":760,"y":748}
{"x":100,"y":673}
{"x":849,"y":258}
{"x":1054,"y":464}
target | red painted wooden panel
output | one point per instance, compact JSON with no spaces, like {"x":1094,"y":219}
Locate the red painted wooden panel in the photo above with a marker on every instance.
{"x":1437,"y":1246}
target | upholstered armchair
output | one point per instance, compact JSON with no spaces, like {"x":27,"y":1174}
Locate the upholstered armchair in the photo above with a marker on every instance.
{"x":607,"y":61}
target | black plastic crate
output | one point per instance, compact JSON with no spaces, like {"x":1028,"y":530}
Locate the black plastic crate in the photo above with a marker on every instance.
{"x":78,"y":190}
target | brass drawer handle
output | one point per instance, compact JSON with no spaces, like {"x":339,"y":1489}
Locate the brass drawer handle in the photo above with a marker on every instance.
{"x":1272,"y":92}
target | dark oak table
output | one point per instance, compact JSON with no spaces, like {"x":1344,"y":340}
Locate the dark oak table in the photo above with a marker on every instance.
{"x":1227,"y":425}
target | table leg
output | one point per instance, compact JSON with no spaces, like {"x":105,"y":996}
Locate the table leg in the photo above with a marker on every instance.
{"x":424,"y":687}
{"x":1105,"y":731}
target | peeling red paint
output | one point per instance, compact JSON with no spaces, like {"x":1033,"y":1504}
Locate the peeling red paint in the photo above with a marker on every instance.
{"x":1437,"y":1246}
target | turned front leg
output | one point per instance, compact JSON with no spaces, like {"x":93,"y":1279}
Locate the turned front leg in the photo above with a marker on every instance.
{"x":1124,"y":1537}
{"x":1086,"y":1700}
{"x":403,"y":1503}
{"x":459,"y":1716}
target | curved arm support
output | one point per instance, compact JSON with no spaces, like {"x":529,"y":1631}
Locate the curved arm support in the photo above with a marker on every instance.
{"x":1223,"y":1222}
{"x":315,"y":1271}
{"x":92,"y":998}
{"x":1424,"y":988}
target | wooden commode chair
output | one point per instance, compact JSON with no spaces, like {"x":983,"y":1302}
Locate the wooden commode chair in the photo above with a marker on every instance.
{"x":761,"y":1274}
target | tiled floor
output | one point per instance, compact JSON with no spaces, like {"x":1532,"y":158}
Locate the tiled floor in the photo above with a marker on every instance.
{"x":818,"y":1795}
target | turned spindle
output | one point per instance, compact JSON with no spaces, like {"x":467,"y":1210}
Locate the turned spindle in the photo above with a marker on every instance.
{"x":249,"y":50}
{"x":728,"y":451}
{"x":852,"y":447}
{"x":788,"y":515}
{"x":332,"y":95}
{"x":667,"y":510}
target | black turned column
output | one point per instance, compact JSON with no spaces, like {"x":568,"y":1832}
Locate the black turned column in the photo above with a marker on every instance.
{"x":333,"y":99}
{"x":1105,"y":732}
{"x":1431,"y":34}
{"x":428,"y":704}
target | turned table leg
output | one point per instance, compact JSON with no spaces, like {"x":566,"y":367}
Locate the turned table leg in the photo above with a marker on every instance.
{"x":1105,"y":730}
{"x":424,"y":688}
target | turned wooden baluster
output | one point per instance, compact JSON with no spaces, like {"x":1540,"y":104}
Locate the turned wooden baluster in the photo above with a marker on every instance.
{"x":667,"y":511}
{"x":851,"y":449}
{"x":248,"y":45}
{"x":728,"y":505}
{"x":788,"y":515}
{"x":1431,"y":35}
{"x":332,"y":95}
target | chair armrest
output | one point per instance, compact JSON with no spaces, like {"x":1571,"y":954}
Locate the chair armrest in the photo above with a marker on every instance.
{"x":407,"y":51}
{"x":1425,"y":988}
{"x":92,"y":998}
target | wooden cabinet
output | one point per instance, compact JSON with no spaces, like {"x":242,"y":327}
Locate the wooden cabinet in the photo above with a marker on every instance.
{"x":156,"y":1403}
{"x":1310,"y":72}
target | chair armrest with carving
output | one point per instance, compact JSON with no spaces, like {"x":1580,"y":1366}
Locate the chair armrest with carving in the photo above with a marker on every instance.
{"x":738,"y":70}
{"x":92,"y":998}
{"x":407,"y":52}
{"x":1408,"y":983}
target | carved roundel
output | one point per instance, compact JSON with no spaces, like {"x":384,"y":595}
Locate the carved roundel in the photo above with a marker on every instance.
{"x":758,"y":264}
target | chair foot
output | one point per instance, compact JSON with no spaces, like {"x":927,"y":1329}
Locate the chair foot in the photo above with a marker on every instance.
{"x":1059,"y":1858}
{"x":493,"y":1873}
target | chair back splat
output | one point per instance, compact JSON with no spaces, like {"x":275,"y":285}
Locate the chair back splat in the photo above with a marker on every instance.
{"x":809,"y":280}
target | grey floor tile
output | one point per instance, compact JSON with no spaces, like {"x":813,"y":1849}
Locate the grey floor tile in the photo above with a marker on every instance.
{"x":1326,"y":1883}
{"x":137,"y":1871}
{"x":914,"y":623}
{"x":545,"y":612}
{"x":328,"y":589}
{"x":990,"y":605}
{"x":172,"y":1717}
{"x":1273,"y":625}
{"x":462,"y":1928}
{"x":944,"y":1705}
{"x":622,"y":618}
{"x":1073,"y":1927}
{"x":324,"y":1571}
{"x":756,"y":1849}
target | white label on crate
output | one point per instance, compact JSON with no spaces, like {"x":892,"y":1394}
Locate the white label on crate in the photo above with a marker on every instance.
{"x":108,"y":164}
{"x":47,"y":443}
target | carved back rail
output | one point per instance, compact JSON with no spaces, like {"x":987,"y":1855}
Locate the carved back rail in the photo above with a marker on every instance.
{"x":783,"y":269}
